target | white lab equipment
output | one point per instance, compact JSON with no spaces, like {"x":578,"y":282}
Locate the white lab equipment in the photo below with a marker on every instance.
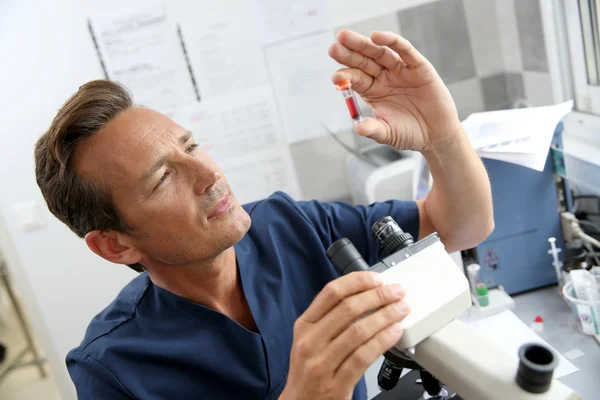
{"x":380,"y":173}
{"x":438,"y":293}
{"x":474,"y":275}
{"x":583,"y":295}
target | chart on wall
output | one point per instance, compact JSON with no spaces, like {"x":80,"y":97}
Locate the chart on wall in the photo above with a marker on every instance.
{"x":140,"y":48}
{"x":223,"y":61}
{"x":278,"y":20}
{"x":306,"y":96}
{"x":249,"y":78}
{"x":242,"y":133}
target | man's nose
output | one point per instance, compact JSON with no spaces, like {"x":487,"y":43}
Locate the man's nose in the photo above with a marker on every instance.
{"x":204,"y":175}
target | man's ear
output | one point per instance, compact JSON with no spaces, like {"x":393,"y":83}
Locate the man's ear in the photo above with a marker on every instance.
{"x":109,"y":246}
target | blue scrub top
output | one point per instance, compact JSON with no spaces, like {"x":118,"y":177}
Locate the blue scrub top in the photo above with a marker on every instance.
{"x":152,"y":344}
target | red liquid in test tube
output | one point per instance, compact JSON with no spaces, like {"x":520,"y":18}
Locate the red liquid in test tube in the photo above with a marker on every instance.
{"x":353,"y":108}
{"x":346,"y":88}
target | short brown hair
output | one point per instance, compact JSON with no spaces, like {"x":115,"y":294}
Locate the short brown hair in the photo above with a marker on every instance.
{"x":82,"y":204}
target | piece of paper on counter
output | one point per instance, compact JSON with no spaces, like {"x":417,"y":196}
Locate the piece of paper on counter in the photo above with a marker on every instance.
{"x":520,"y":136}
{"x":508,"y":332}
{"x":301,"y":74}
{"x":535,"y":161}
{"x":574,"y":354}
{"x":140,"y":49}
{"x":279,"y":20}
{"x":223,"y":61}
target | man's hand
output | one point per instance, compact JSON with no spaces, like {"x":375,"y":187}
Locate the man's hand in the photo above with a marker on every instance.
{"x":413,"y":109}
{"x":332,"y":347}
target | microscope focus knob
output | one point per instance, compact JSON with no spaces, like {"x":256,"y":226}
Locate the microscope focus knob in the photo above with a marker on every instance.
{"x":399,"y":242}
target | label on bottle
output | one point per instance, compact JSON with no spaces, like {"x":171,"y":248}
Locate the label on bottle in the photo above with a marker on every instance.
{"x":587,"y":319}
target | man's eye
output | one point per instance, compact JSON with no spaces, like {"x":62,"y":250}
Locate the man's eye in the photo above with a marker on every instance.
{"x":191,"y":148}
{"x":162,"y":178}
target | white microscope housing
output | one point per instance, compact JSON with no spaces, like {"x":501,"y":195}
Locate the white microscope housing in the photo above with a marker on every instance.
{"x":438,"y":293}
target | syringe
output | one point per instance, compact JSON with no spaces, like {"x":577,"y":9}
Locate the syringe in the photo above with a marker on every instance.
{"x":557,"y":264}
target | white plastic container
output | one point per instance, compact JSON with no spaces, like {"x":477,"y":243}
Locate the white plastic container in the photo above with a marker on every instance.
{"x":586,"y":313}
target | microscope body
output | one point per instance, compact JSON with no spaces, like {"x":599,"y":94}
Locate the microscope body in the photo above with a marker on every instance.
{"x":433,"y":339}
{"x":436,"y":289}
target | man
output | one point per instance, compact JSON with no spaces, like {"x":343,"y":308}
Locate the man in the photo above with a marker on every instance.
{"x":227,"y":308}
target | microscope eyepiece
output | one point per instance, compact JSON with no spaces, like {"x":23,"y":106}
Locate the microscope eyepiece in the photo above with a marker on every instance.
{"x":345,"y":258}
{"x":536,"y":366}
{"x":390,"y":236}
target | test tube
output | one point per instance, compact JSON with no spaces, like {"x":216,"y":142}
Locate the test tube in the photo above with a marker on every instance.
{"x":346,"y":88}
{"x":474,"y":276}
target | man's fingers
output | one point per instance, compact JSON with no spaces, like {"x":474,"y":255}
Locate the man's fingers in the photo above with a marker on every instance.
{"x":351,"y":308}
{"x":382,"y":55}
{"x":354,"y":367}
{"x":400,"y":45}
{"x":364,"y":329}
{"x":361,"y":82}
{"x":350,"y":58}
{"x":373,"y":128}
{"x":337,"y":290}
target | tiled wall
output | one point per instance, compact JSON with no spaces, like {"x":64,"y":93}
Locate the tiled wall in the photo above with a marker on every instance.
{"x":490,"y":54}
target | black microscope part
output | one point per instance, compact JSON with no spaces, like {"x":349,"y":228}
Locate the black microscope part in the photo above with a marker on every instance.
{"x":536,"y":366}
{"x":390,"y":236}
{"x":432,"y":386}
{"x":345,"y":258}
{"x":388,"y":375}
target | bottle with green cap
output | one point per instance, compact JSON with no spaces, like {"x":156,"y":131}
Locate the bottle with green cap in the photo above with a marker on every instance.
{"x":482,"y":294}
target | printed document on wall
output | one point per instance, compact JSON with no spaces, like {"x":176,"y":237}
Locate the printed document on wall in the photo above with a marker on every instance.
{"x":259,"y":175}
{"x":140,"y":49}
{"x":243,"y":135}
{"x":279,"y":20}
{"x":230,"y":127}
{"x":301,"y":72}
{"x":223,"y":60}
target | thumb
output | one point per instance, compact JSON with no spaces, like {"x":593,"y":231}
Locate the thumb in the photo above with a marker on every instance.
{"x":373,"y":128}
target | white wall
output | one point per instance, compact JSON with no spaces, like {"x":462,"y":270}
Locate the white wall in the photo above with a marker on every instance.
{"x":46,"y":54}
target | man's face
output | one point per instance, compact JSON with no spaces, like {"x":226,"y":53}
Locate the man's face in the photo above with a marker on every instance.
{"x":174,"y":196}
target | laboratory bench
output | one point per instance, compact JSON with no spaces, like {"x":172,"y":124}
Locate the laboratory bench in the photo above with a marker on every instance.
{"x":559,"y":331}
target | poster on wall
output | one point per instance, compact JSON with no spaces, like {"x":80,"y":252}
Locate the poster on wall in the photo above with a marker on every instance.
{"x":305,"y":94}
{"x":140,"y":48}
{"x":242,"y":133}
{"x":279,"y":20}
{"x":225,"y":53}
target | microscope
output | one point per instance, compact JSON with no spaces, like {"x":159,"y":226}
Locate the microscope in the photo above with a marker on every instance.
{"x":434,"y":341}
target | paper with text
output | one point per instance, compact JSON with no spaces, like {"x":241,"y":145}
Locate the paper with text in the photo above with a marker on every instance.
{"x":224,"y":61}
{"x":521,"y":136}
{"x":301,"y":73}
{"x":141,"y":50}
{"x":259,"y":175}
{"x":243,"y":135}
{"x":230,"y":127}
{"x":279,"y":20}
